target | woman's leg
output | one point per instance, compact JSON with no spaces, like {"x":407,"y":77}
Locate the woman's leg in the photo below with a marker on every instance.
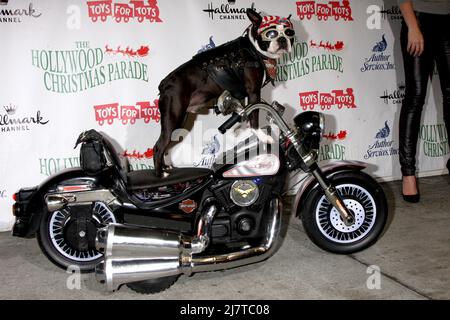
{"x":443,"y":66}
{"x":417,"y":71}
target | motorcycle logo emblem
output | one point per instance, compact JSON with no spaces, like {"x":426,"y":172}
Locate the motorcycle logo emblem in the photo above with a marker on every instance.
{"x":188,"y":205}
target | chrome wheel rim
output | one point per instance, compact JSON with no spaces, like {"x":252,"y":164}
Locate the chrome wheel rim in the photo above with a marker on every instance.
{"x":102,"y":216}
{"x":360,"y":202}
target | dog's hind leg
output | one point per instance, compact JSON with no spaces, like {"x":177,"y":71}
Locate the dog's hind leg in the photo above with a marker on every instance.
{"x":172,"y":115}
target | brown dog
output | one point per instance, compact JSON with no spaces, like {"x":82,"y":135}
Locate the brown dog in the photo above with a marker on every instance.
{"x":239,"y":66}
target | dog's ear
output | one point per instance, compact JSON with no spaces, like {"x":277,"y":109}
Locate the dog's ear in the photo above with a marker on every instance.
{"x":254,"y":17}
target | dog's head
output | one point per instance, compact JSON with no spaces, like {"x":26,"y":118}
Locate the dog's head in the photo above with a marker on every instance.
{"x":273,"y":35}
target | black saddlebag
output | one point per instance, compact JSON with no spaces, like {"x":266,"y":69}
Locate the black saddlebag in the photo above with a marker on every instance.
{"x":92,"y":153}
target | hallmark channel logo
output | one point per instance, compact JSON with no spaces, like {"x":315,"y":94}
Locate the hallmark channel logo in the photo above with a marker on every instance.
{"x":108,"y":113}
{"x":124,"y":12}
{"x":382,"y":146}
{"x":83,"y":68}
{"x":435,"y":140}
{"x":337,"y":99}
{"x":208,"y":154}
{"x":15,"y":15}
{"x":301,"y":61}
{"x":394,"y":97}
{"x":13,"y":121}
{"x":228,"y":11}
{"x":378,"y":60}
{"x":335,"y":10}
{"x":392,"y":13}
{"x":207,"y":46}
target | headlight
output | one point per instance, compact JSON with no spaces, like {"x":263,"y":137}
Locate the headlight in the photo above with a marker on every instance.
{"x":310,"y":125}
{"x":322,"y":122}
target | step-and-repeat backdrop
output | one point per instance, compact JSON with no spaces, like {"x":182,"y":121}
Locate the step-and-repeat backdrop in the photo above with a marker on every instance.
{"x":71,"y":65}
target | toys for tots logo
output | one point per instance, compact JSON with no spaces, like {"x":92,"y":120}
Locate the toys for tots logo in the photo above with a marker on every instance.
{"x":83,"y":68}
{"x":107,"y":113}
{"x":124,"y":12}
{"x":322,"y":11}
{"x":435,"y":140}
{"x":337,"y":99}
{"x":13,"y":120}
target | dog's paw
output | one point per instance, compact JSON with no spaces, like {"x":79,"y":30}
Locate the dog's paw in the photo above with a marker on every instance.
{"x":263,"y":137}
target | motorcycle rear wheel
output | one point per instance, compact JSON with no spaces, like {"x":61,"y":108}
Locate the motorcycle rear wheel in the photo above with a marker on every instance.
{"x":152,"y":285}
{"x":367,"y":201}
{"x":57,"y":237}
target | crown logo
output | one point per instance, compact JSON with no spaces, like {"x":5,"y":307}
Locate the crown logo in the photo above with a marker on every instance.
{"x":10,"y":109}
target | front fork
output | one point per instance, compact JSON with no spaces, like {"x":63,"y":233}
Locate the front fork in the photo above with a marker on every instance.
{"x":310,"y":165}
{"x":333,"y":196}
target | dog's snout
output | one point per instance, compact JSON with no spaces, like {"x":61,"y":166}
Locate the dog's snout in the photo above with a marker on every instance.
{"x":282,"y":41}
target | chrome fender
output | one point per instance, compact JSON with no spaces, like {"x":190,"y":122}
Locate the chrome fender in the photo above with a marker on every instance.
{"x":328,"y":170}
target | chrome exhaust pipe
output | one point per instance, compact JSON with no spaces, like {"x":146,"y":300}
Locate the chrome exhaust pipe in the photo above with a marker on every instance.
{"x":56,"y":202}
{"x":134,"y":254}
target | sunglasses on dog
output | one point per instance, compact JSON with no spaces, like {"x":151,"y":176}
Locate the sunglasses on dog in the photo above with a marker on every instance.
{"x":273,"y":34}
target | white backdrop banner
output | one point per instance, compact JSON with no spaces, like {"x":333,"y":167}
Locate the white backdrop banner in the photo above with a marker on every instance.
{"x":68,"y":66}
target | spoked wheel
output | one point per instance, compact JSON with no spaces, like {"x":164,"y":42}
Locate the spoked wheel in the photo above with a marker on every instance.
{"x":365,"y":199}
{"x":152,"y":285}
{"x":68,"y":238}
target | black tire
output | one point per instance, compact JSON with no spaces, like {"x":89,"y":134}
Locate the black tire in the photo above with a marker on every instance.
{"x":323,"y":225}
{"x":63,"y":260}
{"x":152,"y":285}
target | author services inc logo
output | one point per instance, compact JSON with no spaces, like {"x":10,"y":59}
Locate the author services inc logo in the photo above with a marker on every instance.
{"x":379,"y":60}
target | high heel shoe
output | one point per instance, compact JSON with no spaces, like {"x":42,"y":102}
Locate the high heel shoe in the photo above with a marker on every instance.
{"x":412,"y":198}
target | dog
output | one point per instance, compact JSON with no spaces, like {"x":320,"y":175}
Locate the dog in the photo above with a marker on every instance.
{"x":242,"y":66}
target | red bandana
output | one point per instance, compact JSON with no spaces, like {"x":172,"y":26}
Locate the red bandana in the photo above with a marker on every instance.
{"x":271,"y":67}
{"x":270,"y":21}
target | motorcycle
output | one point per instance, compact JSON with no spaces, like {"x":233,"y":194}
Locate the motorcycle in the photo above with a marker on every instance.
{"x":136,"y":229}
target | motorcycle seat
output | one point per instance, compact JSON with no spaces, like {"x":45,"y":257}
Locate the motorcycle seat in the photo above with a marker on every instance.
{"x":146,"y":179}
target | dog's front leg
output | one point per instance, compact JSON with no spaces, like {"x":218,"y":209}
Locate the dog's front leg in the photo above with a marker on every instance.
{"x":253,"y":118}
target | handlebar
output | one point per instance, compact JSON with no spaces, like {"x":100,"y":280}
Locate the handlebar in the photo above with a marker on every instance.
{"x":235,"y":118}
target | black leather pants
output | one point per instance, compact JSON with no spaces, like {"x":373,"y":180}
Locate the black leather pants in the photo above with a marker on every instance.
{"x":436,"y":32}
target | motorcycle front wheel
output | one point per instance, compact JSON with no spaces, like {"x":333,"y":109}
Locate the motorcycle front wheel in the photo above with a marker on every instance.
{"x":365,"y":199}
